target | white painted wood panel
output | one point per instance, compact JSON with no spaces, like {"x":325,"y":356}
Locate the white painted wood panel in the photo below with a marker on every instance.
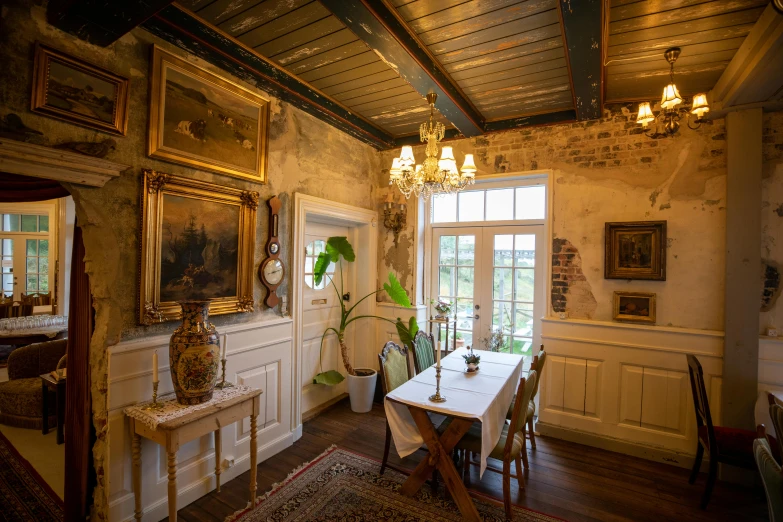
{"x":574,"y":385}
{"x":654,"y":396}
{"x":593,"y":385}
{"x":554,"y":382}
{"x":631,"y":394}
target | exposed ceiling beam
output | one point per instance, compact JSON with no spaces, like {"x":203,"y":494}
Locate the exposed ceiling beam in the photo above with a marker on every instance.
{"x":384,"y":33}
{"x":192,"y":34}
{"x":755,"y":74}
{"x":100,"y":22}
{"x":582,"y":28}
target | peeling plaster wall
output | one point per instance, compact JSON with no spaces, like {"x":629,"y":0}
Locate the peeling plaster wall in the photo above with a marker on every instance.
{"x":305,"y":155}
{"x":607,"y":170}
{"x":772,"y":219}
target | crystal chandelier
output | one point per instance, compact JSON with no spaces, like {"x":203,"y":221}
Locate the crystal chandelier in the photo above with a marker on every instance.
{"x":669,"y":116}
{"x":434,"y":176}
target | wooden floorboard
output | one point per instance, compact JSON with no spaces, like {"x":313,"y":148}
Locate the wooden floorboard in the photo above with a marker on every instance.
{"x":571,"y":481}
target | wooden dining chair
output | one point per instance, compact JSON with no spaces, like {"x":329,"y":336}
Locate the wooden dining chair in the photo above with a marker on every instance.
{"x":510,"y":447}
{"x":21,"y":309}
{"x":38,"y":298}
{"x":776,"y":414}
{"x":723,"y":445}
{"x":394,"y":372}
{"x":423,"y":351}
{"x":537,"y":365}
{"x":771,"y":475}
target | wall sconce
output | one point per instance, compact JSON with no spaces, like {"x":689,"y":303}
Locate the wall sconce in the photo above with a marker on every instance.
{"x":395,"y":216}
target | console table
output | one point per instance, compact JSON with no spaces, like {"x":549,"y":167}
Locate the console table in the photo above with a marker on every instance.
{"x":175,"y":424}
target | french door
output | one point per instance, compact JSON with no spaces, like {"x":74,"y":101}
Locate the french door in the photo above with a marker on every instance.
{"x":495,"y":277}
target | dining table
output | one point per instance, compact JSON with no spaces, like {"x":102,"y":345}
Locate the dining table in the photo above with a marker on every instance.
{"x":482,"y":396}
{"x":26,"y":336}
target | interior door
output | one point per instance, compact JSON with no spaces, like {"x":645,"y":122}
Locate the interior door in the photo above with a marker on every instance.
{"x":320,"y":310}
{"x":495,"y":277}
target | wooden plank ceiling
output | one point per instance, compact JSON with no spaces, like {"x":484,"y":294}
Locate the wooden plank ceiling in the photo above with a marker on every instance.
{"x":308,"y":41}
{"x":709,"y":32}
{"x":507,"y":56}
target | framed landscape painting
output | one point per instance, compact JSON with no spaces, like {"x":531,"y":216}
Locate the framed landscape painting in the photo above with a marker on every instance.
{"x":636,"y":250}
{"x":77,"y":91}
{"x":203,"y":121}
{"x":197,"y":243}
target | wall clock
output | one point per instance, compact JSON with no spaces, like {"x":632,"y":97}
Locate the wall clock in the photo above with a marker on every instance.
{"x":272,"y":271}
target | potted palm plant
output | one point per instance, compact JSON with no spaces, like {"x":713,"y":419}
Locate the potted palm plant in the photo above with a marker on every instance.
{"x":361,"y":381}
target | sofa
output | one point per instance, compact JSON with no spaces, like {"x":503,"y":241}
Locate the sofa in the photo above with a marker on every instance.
{"x":21,"y":397}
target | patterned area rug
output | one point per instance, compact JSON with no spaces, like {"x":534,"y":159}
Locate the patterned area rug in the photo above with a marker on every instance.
{"x":342,"y":486}
{"x":24,"y":496}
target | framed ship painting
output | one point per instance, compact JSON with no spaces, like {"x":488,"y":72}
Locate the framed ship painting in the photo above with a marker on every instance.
{"x":204,"y":121}
{"x":636,"y":250}
{"x":197,"y":243}
{"x":73,"y":90}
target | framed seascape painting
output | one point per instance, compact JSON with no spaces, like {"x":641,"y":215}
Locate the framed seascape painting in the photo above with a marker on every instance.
{"x":71,"y":89}
{"x":197,"y":243}
{"x":636,"y":250}
{"x":203,"y":121}
{"x":634,"y":307}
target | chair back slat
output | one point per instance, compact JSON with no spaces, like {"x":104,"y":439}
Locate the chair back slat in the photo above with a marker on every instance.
{"x":394,"y":366}
{"x":423,"y":351}
{"x":519,"y":415}
{"x":776,"y":414}
{"x":538,"y":365}
{"x":700,"y":402}
{"x":771,"y":476}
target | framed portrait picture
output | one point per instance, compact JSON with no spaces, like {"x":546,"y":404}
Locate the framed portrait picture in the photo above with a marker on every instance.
{"x":634,"y":307}
{"x":197,"y":242}
{"x":203,"y":121}
{"x":71,"y":89}
{"x":636,"y":250}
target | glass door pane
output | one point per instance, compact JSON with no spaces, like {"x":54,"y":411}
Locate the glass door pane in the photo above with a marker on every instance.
{"x":7,"y":266}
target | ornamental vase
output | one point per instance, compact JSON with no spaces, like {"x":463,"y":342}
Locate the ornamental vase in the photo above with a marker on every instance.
{"x":194,"y":354}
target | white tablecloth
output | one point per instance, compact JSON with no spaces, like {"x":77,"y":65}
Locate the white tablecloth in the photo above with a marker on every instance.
{"x":484,"y":396}
{"x":762,"y":411}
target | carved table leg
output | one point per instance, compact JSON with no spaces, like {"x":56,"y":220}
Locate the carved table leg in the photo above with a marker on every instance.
{"x":172,"y":461}
{"x":253,"y":458}
{"x":136,"y":470}
{"x":218,"y":467}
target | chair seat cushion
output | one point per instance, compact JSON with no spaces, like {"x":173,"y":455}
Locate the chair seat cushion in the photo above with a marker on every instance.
{"x":734,"y":443}
{"x":471,"y":441}
{"x":531,"y":409}
{"x":22,"y":397}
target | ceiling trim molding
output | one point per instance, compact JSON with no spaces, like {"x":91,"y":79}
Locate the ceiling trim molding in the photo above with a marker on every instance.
{"x":374,"y":23}
{"x":582,"y":31}
{"x":190,"y":33}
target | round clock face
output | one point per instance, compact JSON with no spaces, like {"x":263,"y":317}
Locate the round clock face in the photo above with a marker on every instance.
{"x":273,"y":271}
{"x":274,"y":248}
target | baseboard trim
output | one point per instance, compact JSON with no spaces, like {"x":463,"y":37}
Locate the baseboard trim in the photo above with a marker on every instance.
{"x":665,"y":456}
{"x":314,"y":412}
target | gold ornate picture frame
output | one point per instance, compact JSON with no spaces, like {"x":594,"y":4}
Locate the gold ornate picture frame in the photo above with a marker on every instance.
{"x":636,"y":250}
{"x":77,"y":91}
{"x":204,"y":121}
{"x":634,"y":307}
{"x":197,"y":242}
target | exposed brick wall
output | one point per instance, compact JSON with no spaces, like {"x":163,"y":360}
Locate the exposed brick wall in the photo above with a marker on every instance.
{"x":772,"y":137}
{"x":771,"y":285}
{"x":566,"y":276}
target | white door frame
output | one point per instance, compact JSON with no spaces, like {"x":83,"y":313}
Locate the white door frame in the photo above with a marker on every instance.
{"x":364,"y":238}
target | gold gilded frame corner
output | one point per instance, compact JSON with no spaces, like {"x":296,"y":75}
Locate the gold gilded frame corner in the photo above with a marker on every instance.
{"x":161,"y":59}
{"x":154,"y":186}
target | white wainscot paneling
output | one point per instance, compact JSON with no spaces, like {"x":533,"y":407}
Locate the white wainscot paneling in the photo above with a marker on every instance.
{"x":259,"y":355}
{"x":626,"y":383}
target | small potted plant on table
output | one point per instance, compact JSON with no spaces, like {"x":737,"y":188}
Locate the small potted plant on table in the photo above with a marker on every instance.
{"x":442,"y":307}
{"x":472,"y":360}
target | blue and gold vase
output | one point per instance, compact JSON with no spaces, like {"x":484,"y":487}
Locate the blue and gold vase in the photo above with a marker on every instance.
{"x":194,"y":354}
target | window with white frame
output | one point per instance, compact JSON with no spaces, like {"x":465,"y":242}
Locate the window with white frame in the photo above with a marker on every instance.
{"x":495,"y":204}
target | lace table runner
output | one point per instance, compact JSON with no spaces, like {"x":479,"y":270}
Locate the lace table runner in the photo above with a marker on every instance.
{"x":48,"y":331}
{"x":172,"y":409}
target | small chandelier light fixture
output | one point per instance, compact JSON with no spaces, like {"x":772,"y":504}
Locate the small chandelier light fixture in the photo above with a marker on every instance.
{"x":434,"y":176}
{"x":669,"y":116}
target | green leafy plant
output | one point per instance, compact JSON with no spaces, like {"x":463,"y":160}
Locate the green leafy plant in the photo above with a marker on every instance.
{"x":339,"y":250}
{"x":471,"y":357}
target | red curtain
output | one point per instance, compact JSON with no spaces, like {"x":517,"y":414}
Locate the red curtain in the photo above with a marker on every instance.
{"x":19,"y":189}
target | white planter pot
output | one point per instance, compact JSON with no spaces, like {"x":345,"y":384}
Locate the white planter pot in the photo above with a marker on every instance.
{"x":361,"y":389}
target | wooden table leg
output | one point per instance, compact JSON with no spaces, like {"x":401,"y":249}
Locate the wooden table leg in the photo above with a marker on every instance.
{"x":218,"y":467}
{"x":60,"y":397}
{"x":440,"y":458}
{"x":45,"y":408}
{"x":172,"y":462}
{"x":136,"y":469}
{"x":253,"y":458}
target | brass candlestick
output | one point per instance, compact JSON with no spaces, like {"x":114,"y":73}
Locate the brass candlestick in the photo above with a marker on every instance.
{"x":223,"y":383}
{"x":155,"y":405}
{"x":437,"y":397}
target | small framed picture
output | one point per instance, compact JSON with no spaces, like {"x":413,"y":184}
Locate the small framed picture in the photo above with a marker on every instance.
{"x":71,"y":89}
{"x":636,"y":250}
{"x":634,"y":307}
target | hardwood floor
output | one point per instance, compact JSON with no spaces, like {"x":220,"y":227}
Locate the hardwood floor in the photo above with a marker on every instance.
{"x":571,"y":481}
